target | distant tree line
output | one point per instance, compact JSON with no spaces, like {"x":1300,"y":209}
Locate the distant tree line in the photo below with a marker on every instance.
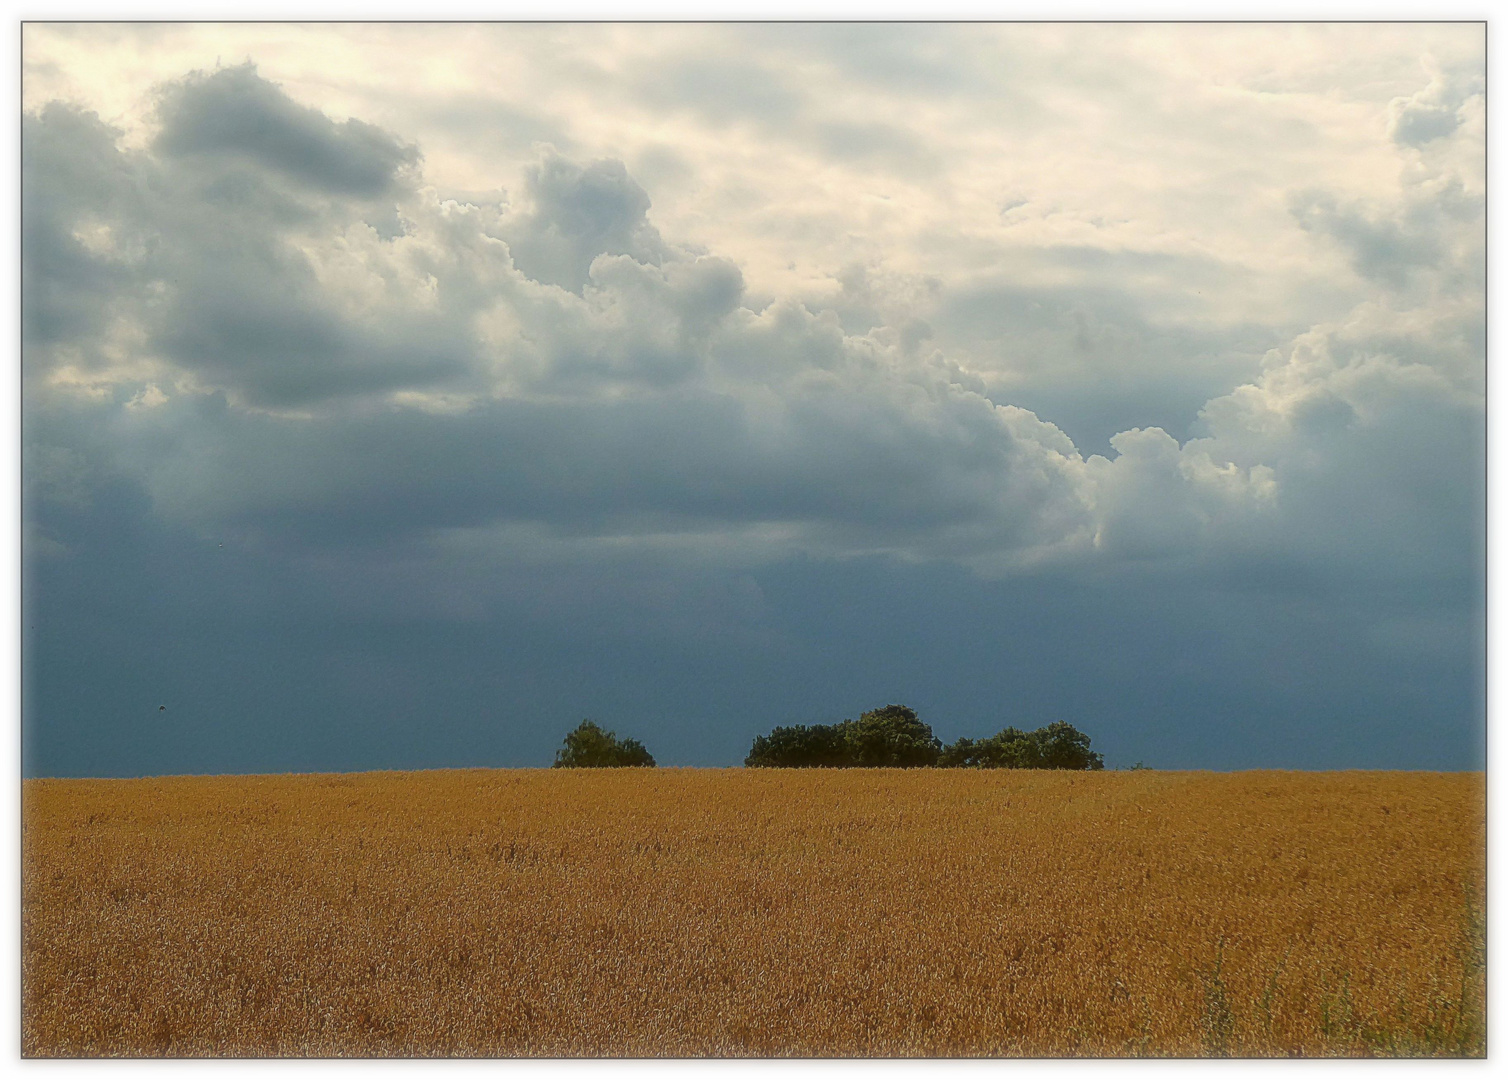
{"x":892,"y":737}
{"x":896,"y":737}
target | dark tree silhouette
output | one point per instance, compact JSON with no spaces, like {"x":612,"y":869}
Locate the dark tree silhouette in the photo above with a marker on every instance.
{"x":592,"y":748}
{"x":1059,"y":745}
{"x":895,"y":737}
{"x":1062,"y":746}
{"x":892,"y":737}
{"x":802,"y":746}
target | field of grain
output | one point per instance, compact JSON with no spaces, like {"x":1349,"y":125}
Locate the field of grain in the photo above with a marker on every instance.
{"x":696,"y":912}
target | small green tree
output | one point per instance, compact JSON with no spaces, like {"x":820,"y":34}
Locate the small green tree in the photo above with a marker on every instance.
{"x":590,"y":747}
{"x":1062,"y":746}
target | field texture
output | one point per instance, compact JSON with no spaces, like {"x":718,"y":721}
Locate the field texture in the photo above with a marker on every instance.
{"x":755,"y":912}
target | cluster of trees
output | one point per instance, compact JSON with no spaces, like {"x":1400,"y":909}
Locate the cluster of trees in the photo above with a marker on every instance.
{"x":892,"y":737}
{"x":896,"y":737}
{"x":592,"y":748}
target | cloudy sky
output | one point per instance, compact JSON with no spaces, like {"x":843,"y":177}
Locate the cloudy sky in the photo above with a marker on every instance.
{"x":396,"y":396}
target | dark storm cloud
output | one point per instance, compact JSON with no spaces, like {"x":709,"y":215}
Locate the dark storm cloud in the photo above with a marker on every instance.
{"x":235,"y":113}
{"x":201,"y":259}
{"x":287,"y":354}
{"x":875,"y":472}
{"x":72,"y":179}
{"x":652,"y":396}
{"x":565,"y":366}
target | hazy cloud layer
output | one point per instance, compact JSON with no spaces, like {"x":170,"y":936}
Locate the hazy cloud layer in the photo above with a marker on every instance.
{"x":251,"y":322}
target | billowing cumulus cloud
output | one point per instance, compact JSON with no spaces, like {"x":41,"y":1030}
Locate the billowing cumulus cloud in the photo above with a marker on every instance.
{"x":598,"y":379}
{"x":580,"y":213}
{"x":234,"y":114}
{"x":561,"y":363}
{"x":250,"y":324}
{"x":1440,"y":107}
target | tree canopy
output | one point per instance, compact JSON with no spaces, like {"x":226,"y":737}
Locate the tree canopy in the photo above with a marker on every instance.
{"x":895,"y":737}
{"x":591,"y":747}
{"x":889,"y":737}
{"x":800,"y":746}
{"x":1059,"y":745}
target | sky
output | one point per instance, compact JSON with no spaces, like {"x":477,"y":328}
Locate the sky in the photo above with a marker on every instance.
{"x":397,"y":396}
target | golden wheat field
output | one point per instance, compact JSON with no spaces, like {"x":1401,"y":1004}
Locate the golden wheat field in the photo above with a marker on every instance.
{"x":701,"y":912}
